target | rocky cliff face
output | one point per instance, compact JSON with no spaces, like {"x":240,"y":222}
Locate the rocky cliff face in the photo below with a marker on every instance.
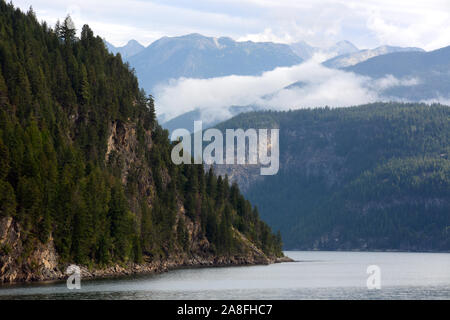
{"x":16,"y":265}
{"x":122,"y":145}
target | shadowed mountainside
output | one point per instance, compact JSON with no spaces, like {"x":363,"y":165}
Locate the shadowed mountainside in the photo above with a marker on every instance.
{"x":373,"y":177}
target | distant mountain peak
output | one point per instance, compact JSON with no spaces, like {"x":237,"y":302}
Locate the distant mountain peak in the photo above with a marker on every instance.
{"x":133,"y":42}
{"x":344,"y":47}
{"x":130,"y":49}
{"x":193,"y":35}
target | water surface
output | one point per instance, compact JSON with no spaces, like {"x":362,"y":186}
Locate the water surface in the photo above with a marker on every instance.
{"x":314,"y":275}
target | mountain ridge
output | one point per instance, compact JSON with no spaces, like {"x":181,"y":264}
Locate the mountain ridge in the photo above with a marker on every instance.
{"x":430,"y":69}
{"x":197,"y":56}
{"x":354,"y":58}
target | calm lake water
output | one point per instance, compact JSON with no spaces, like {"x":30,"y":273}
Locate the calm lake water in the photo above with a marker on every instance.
{"x":314,"y":275}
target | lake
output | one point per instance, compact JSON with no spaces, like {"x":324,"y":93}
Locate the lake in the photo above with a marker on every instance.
{"x":314,"y":275}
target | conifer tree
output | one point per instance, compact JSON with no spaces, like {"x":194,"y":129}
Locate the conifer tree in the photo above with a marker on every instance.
{"x":152,"y":111}
{"x":67,"y":30}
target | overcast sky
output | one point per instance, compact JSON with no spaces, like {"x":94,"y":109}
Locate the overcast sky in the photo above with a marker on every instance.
{"x":366,"y":23}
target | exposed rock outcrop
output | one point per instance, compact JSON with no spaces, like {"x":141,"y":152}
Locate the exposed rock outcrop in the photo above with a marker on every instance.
{"x":42,"y":263}
{"x":18,"y":265}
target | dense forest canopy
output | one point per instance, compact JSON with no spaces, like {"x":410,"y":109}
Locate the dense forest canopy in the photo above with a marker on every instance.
{"x":85,"y":164}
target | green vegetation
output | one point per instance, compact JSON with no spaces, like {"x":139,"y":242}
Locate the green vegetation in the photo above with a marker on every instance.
{"x":368,"y":177}
{"x":101,"y":201}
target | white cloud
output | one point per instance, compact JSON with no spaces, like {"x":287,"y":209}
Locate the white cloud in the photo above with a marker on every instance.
{"x":267,"y":36}
{"x":430,"y":30}
{"x":319,"y":87}
{"x":119,"y":21}
{"x":220,"y":92}
{"x":367,"y":23}
{"x":322,"y":87}
{"x":390,"y":81}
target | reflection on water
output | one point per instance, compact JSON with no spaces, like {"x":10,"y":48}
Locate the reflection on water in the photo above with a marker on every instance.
{"x":315,"y":275}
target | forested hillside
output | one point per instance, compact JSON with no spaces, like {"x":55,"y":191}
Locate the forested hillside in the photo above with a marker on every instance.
{"x":369,"y":177}
{"x":86,"y":175}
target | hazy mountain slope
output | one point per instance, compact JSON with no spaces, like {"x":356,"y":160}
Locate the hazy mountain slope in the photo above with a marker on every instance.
{"x":197,"y":56}
{"x":130,"y":49}
{"x":368,"y":177}
{"x":186,"y":120}
{"x":430,"y":69}
{"x":341,"y":47}
{"x":351,"y":59}
{"x":402,"y":64}
{"x":303,"y":50}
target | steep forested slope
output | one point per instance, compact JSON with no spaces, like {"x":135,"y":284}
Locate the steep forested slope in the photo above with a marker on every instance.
{"x":86,"y":175}
{"x":368,"y":177}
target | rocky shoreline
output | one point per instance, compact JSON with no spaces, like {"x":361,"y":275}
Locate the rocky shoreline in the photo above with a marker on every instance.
{"x":42,"y":264}
{"x":168,"y":265}
{"x":155,"y":267}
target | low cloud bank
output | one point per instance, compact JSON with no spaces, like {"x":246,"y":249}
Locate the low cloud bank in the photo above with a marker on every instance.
{"x":316,"y":86}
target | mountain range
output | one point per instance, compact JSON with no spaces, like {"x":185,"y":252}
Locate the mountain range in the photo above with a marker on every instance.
{"x":201,"y":57}
{"x":301,"y":48}
{"x":197,"y":56}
